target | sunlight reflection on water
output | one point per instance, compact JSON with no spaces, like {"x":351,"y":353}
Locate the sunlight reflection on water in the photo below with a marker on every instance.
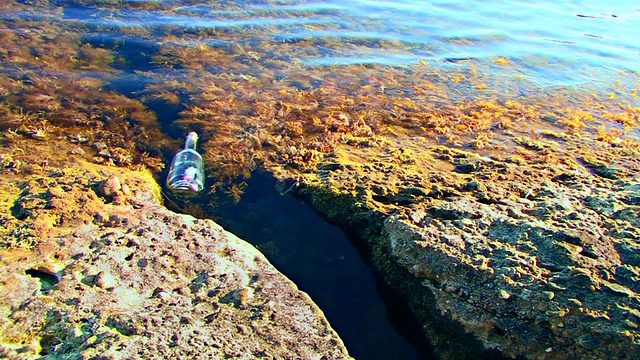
{"x":554,"y":43}
{"x":587,"y":37}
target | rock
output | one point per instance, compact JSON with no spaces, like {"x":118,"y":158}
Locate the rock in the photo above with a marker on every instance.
{"x":77,"y":151}
{"x":474,"y":186}
{"x":600,"y":204}
{"x":465,"y":167}
{"x":99,"y":145}
{"x":548,"y":295}
{"x":417,"y":216}
{"x":104,"y":280}
{"x":453,"y":240}
{"x":110,"y":187}
{"x":566,"y":178}
{"x":162,"y":300}
{"x":504,"y":295}
{"x":630,"y":324}
{"x":600,"y":167}
{"x":618,"y":289}
{"x":330,"y":166}
{"x":520,"y":264}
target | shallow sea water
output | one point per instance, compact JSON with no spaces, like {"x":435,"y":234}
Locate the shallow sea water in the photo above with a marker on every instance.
{"x":551,"y":43}
{"x":586,"y":46}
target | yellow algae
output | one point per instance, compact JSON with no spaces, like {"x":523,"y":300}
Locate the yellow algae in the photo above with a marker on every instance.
{"x":501,"y":61}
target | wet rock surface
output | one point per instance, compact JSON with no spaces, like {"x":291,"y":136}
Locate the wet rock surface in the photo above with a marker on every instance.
{"x":532,"y":255}
{"x":94,"y":267}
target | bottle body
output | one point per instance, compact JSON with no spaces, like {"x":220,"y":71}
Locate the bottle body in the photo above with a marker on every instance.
{"x":186,"y":174}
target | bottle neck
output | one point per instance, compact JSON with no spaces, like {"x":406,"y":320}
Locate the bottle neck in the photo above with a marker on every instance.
{"x":191,"y":141}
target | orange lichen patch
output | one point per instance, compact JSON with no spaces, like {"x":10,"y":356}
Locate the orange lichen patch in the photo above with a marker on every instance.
{"x":611,"y":137}
{"x":480,"y":142}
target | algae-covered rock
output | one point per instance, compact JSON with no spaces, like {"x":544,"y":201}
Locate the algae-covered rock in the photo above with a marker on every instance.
{"x":531,"y":260}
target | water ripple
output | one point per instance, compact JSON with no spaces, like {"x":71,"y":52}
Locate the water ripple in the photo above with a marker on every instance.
{"x":571,"y":38}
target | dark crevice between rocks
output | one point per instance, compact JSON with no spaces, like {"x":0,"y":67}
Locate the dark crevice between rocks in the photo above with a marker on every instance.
{"x":47,"y":280}
{"x":449,"y":337}
{"x":372,"y":318}
{"x":17,"y":209}
{"x":486,"y":201}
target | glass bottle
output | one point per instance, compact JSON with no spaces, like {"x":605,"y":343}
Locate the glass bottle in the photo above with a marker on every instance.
{"x":186,"y":174}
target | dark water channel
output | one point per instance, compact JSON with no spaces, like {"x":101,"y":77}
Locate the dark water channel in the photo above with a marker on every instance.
{"x":371,"y":318}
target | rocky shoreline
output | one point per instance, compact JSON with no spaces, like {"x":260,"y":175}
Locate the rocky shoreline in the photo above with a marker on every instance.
{"x":506,"y":212}
{"x":94,"y":267}
{"x":531,"y":258}
{"x":496,"y":255}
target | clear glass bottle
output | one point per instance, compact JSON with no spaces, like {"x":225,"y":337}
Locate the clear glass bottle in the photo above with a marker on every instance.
{"x":186,"y":174}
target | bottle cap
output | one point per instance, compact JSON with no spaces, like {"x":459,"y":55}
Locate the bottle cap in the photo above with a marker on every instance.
{"x":190,"y":142}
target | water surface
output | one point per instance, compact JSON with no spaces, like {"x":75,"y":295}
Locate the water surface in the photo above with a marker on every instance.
{"x":552,"y":43}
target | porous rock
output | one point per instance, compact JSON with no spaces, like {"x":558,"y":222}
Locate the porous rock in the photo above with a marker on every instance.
{"x":531,"y":260}
{"x":139,"y":288}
